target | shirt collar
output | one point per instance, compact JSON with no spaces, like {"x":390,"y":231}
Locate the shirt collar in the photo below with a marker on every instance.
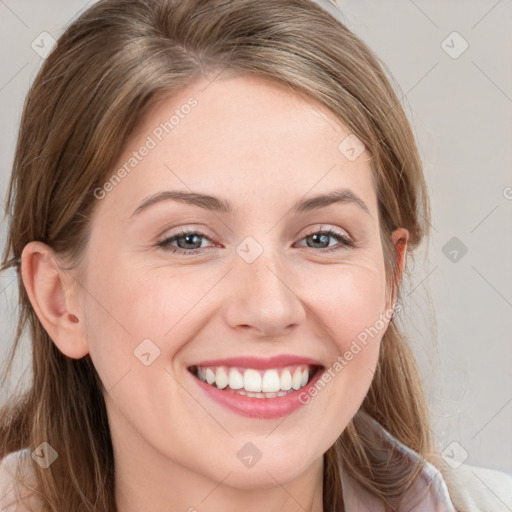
{"x":430,"y":483}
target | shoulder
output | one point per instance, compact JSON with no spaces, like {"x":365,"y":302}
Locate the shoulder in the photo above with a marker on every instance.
{"x":448,"y":488}
{"x":478,"y":489}
{"x":18,"y":482}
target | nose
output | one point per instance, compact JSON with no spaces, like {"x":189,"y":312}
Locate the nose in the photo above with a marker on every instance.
{"x":262,"y":297}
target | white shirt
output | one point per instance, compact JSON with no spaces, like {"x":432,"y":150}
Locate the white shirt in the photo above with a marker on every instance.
{"x":462,"y":489}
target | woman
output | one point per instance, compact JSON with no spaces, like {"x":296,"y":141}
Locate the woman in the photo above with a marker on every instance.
{"x":262,"y":366}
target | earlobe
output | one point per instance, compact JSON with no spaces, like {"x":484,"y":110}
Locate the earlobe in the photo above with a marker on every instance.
{"x":52,"y":297}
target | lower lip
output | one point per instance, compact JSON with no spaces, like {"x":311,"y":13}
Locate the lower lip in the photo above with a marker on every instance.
{"x":264,"y":408}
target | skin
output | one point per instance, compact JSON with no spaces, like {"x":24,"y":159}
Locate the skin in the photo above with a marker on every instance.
{"x":258,"y":145}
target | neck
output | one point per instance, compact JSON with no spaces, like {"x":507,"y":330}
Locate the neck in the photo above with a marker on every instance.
{"x":156,"y":483}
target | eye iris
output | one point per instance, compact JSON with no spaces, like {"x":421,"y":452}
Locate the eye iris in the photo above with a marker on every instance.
{"x":316,"y":236}
{"x":188,"y":237}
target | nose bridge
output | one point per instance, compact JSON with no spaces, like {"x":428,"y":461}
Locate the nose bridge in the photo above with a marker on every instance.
{"x":266,"y":298}
{"x":260,"y":263}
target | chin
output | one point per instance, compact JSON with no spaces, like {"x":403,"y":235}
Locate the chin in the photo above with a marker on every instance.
{"x":262,"y":475}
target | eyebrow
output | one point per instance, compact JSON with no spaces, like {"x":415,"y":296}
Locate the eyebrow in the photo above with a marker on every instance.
{"x":208,"y":202}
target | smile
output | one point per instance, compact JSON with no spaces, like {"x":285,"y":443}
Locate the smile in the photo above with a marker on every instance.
{"x":254,"y":383}
{"x":257,"y":388}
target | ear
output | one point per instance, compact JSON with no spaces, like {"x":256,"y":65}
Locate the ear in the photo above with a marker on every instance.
{"x":53,"y":294}
{"x":400,"y":238}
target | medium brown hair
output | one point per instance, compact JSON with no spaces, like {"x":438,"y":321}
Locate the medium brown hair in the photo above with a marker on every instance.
{"x":110,"y":65}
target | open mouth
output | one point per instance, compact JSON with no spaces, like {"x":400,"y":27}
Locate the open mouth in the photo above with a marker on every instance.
{"x":257,"y":383}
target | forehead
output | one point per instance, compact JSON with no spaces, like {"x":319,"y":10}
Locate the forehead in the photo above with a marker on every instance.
{"x":252,"y":138}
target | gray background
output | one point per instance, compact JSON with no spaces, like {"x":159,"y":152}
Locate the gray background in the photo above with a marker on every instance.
{"x":460,"y":109}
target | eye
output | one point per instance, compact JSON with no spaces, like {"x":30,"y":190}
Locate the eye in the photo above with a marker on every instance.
{"x":185,"y":239}
{"x":320,"y":237}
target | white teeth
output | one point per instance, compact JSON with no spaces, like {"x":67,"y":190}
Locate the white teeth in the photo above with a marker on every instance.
{"x":221,"y":378}
{"x":236,"y":381}
{"x":297,"y":379}
{"x":210,"y":376}
{"x":256,"y":383}
{"x":286,"y":380}
{"x":252,"y":381}
{"x":261,"y":395}
{"x":271,"y":382}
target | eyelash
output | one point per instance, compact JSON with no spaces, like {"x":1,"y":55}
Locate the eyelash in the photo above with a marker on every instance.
{"x":166,"y":242}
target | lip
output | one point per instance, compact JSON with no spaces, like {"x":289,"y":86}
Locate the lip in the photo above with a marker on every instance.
{"x":258,"y":363}
{"x":262,"y":408}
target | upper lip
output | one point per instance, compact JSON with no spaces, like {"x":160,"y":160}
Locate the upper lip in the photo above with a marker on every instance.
{"x":259,"y":363}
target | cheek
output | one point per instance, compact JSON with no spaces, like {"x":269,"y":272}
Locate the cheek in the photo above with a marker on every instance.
{"x":133,"y":312}
{"x":351,"y":303}
{"x":351,"y":309}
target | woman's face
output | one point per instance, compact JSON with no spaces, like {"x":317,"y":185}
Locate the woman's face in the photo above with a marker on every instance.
{"x":257,"y":282}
